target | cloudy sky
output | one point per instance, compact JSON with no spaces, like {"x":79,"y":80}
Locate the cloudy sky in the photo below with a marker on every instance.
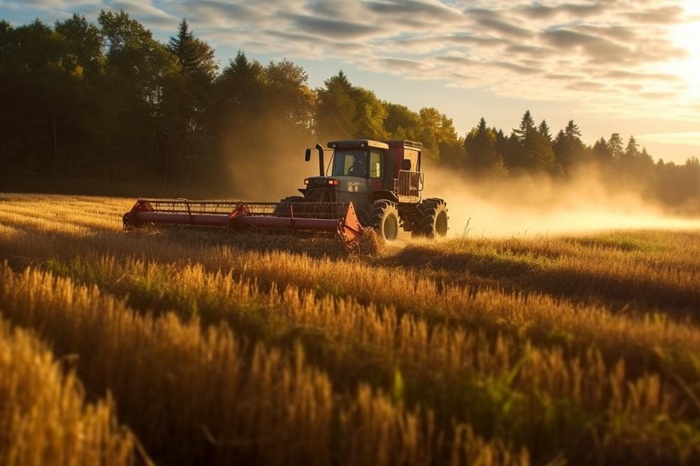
{"x":626,"y":66}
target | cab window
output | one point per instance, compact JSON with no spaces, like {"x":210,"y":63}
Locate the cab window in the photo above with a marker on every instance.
{"x":375,"y":164}
{"x":360,"y":163}
{"x":350,"y":163}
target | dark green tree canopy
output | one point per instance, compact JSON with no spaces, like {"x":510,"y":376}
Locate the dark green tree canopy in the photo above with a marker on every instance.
{"x":533,"y":151}
{"x":401,"y":122}
{"x":569,"y":149}
{"x":483,"y":156}
{"x":194,"y":55}
{"x":544,"y":130}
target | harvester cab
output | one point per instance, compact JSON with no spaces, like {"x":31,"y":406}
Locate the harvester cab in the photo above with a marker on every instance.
{"x":370,"y":184}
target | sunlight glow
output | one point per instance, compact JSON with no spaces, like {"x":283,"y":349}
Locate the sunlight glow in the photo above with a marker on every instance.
{"x":687,"y":36}
{"x":690,"y":137}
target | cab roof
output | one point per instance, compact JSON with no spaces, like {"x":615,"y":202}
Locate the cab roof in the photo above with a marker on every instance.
{"x":361,"y":143}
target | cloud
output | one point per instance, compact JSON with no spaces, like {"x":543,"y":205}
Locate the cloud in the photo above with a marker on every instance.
{"x":669,"y":14}
{"x":402,"y":64}
{"x":498,"y":23}
{"x":543,"y":12}
{"x":146,"y":12}
{"x":52,"y":4}
{"x":528,"y":50}
{"x":690,"y":137}
{"x":209,"y":11}
{"x":333,"y":28}
{"x":620,"y":74}
{"x":586,"y":86}
{"x":519,"y":69}
{"x":596,"y":48}
{"x":426,"y":12}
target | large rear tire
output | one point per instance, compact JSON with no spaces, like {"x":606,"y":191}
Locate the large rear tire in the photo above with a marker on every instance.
{"x":384,"y":218}
{"x":433,"y":222}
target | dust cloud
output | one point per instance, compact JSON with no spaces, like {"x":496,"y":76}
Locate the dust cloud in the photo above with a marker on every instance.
{"x":268,"y":168}
{"x":539,"y":206}
{"x":257,"y":178}
{"x":525,"y":206}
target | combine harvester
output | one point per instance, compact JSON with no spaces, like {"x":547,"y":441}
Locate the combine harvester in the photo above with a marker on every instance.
{"x":371,"y":184}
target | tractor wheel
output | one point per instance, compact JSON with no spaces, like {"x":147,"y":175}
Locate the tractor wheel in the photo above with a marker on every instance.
{"x":282,"y":209}
{"x":126,"y":220}
{"x":384,"y":218}
{"x":433,"y":223}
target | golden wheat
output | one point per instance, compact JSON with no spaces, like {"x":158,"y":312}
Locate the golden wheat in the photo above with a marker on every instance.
{"x":568,"y":348}
{"x":175,"y":381}
{"x":44,"y":418}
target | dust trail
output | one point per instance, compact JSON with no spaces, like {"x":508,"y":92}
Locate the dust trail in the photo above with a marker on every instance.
{"x":266,"y":169}
{"x":393,"y":248}
{"x":532,"y":206}
{"x":514,"y":206}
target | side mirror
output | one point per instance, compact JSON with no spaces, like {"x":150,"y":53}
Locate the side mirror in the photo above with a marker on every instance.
{"x":307,"y":157}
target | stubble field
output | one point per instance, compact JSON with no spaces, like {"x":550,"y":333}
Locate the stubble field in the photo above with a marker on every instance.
{"x":181,"y":346}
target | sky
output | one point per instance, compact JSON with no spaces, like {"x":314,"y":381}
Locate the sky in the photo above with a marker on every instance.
{"x":612,"y":66}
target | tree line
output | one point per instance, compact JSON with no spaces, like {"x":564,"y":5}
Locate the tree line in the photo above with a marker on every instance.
{"x":109,"y":104}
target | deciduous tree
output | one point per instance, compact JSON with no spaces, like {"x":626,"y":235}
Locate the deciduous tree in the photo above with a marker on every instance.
{"x":437,"y":132}
{"x":337,"y":108}
{"x":401,"y":122}
{"x":137,"y":69}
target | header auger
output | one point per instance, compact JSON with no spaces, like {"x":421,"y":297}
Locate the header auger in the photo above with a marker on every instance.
{"x":371,"y":184}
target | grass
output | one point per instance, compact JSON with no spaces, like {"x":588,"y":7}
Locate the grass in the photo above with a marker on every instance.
{"x":229,"y":349}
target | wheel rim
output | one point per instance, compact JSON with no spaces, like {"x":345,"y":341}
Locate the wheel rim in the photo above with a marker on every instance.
{"x":391,"y":227}
{"x":441,"y":224}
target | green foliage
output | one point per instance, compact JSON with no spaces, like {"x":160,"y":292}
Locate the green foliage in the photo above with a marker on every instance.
{"x":195,"y":56}
{"x":437,"y":132}
{"x":347,"y":111}
{"x":336,"y":108}
{"x":401,"y":122}
{"x":569,"y":149}
{"x":289,"y":97}
{"x":184,"y":120}
{"x":534,"y":153}
{"x":483,"y":156}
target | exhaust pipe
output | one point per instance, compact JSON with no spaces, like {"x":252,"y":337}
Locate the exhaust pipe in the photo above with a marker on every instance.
{"x":321,"y":164}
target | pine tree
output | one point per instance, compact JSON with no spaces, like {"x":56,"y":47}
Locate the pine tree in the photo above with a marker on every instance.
{"x":186,"y":102}
{"x":615,"y":145}
{"x":195,"y":56}
{"x":544,"y":130}
{"x":535,"y":152}
{"x":527,"y":127}
{"x":568,"y":147}
{"x":482,"y":154}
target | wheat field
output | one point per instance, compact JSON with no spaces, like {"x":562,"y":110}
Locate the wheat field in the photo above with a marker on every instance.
{"x":191,"y":346}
